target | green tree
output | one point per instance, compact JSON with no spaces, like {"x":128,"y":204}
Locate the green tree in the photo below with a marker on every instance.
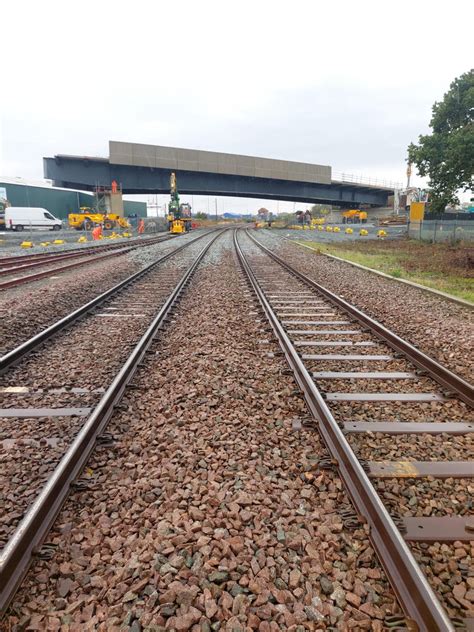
{"x":201,"y":215}
{"x":446,"y":155}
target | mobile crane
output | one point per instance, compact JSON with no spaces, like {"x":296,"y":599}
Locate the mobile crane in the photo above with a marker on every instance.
{"x":179,"y":215}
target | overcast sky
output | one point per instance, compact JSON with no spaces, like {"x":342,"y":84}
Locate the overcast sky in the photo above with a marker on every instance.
{"x":348,"y":84}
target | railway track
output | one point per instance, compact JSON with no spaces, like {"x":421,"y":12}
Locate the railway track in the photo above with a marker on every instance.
{"x":26,"y":258}
{"x":353,"y":372}
{"x":349,"y":355}
{"x":14,"y":355}
{"x":66,"y":400}
{"x":15,"y":265}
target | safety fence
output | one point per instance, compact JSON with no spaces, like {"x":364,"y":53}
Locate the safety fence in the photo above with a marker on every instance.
{"x":352,"y":178}
{"x":437,"y":231}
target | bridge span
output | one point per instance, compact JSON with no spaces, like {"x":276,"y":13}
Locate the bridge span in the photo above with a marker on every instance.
{"x":146,"y":169}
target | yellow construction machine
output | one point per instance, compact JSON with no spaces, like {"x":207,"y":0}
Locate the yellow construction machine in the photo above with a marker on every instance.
{"x":89,"y":217}
{"x":354,"y":216}
{"x":179,"y":215}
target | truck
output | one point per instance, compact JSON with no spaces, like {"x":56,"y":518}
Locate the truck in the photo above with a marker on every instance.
{"x":20,"y":217}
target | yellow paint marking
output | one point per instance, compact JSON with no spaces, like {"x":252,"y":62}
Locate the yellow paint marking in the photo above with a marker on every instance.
{"x":399,"y":469}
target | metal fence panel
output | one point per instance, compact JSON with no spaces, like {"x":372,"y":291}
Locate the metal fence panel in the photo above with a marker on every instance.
{"x":438,"y":231}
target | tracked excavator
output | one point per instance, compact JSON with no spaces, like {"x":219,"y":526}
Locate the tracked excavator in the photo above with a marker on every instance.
{"x":179,"y":215}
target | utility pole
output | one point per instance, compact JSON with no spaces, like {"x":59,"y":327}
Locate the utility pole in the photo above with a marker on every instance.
{"x":408,"y":175}
{"x":215,"y":201}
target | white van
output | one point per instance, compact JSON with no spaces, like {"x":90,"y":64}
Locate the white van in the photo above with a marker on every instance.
{"x":21,"y":217}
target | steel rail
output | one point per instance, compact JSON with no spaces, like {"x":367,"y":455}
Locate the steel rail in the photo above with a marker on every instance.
{"x":13,"y":356}
{"x":446,"y":378}
{"x":101,"y":245}
{"x":7,"y":268}
{"x":27,"y":264}
{"x":416,"y":597}
{"x":47,"y":273}
{"x":4,"y":285}
{"x":17,"y":555}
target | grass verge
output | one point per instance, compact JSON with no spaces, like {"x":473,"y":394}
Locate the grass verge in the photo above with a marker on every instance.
{"x":441,"y":267}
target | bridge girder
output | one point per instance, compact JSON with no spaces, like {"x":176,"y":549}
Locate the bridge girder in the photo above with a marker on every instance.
{"x":86,"y":173}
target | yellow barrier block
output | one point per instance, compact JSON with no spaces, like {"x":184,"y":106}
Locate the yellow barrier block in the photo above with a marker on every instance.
{"x":329,"y":229}
{"x":58,"y":241}
{"x":45,"y":243}
{"x":348,"y":231}
{"x":320,"y":227}
{"x":82,"y":239}
{"x":381,"y":233}
{"x":363,"y":232}
{"x":26,"y":244}
{"x":336,"y":229}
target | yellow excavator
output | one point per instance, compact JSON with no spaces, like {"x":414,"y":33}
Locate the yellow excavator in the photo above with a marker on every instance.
{"x":89,"y":217}
{"x":179,"y":215}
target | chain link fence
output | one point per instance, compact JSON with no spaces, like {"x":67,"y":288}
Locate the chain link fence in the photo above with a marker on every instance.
{"x":438,"y":231}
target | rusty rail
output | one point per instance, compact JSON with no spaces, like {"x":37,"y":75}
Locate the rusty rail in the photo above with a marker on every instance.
{"x":13,"y":356}
{"x":51,"y":272}
{"x":416,"y":597}
{"x":446,"y":378}
{"x":13,"y":260}
{"x":27,"y":539}
{"x":18,"y":264}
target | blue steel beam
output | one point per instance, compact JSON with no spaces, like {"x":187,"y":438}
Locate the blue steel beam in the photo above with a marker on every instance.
{"x":86,"y":173}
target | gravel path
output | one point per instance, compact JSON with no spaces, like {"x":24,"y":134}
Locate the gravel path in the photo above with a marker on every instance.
{"x":209,"y":512}
{"x":441,"y":328}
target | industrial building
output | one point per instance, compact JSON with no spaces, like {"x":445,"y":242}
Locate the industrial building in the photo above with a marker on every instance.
{"x":60,"y":202}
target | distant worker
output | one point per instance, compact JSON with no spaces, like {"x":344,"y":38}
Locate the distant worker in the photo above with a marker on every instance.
{"x":97,"y":232}
{"x":307,"y":217}
{"x":141,"y":226}
{"x":114,"y":186}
